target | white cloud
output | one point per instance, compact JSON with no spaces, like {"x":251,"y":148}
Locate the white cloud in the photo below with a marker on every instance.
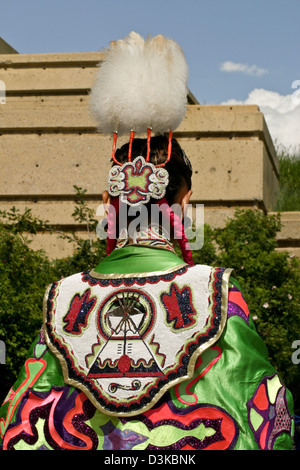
{"x":243,"y":68}
{"x":282,"y":115}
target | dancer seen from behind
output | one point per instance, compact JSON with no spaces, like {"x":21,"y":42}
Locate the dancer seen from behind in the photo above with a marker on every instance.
{"x":146,"y":350}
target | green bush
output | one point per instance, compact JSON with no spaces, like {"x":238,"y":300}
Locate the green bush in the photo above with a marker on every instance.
{"x":269,"y":279}
{"x":289,"y":181}
{"x":24,"y":275}
{"x":88,"y":252}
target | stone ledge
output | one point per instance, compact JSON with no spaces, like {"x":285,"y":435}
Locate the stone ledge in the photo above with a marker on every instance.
{"x":61,"y":73}
{"x":70,"y":114}
{"x":38,"y":164}
{"x":46,"y":111}
{"x":59,"y":212}
{"x":290,"y":231}
{"x":54,"y":59}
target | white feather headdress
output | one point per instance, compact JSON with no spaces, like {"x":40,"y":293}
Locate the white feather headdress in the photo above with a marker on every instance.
{"x":140,"y":84}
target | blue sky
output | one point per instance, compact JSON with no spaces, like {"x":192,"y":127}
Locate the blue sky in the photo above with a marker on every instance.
{"x":237,"y":50}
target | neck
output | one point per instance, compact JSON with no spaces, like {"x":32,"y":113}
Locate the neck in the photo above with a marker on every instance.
{"x":153,"y":235}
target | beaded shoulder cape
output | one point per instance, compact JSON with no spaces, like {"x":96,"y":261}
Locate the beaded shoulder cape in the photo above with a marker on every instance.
{"x":124,"y":340}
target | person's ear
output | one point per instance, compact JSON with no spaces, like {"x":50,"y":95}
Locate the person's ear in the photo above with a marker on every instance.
{"x":106,"y":201}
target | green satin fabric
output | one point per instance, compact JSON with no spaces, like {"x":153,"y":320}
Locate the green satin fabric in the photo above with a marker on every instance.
{"x":133,"y":258}
{"x":53,"y":377}
{"x":235,"y":377}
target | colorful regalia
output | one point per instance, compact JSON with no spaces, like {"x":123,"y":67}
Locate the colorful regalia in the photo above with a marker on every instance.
{"x":146,"y":350}
{"x":223,"y":392}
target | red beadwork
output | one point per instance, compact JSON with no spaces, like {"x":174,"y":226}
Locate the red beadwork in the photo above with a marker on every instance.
{"x":124,"y":363}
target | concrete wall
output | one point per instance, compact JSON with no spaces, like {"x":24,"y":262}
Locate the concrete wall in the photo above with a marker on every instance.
{"x":6,"y":48}
{"x":289,"y":236}
{"x":48,"y":143}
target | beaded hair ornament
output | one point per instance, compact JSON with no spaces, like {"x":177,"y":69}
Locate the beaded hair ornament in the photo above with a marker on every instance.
{"x":141,"y":88}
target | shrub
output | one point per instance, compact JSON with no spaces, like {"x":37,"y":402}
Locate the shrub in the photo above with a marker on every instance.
{"x":24,"y":275}
{"x":88,"y":252}
{"x":289,"y":180}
